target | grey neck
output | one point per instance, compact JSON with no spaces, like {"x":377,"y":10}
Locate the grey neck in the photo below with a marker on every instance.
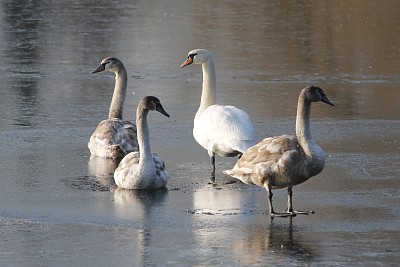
{"x":118,"y":99}
{"x":303,"y":129}
{"x":143,"y":135}
{"x":314,"y":154}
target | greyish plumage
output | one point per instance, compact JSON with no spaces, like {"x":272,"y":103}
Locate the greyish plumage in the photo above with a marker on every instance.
{"x":143,"y":169}
{"x":285,"y":161}
{"x":114,"y":137}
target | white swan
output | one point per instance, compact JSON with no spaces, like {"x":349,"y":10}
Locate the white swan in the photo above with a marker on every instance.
{"x":143,"y":169}
{"x":285,"y":161}
{"x":223,"y":130}
{"x":114,"y":137}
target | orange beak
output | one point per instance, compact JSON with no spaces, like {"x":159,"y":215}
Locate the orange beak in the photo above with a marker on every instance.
{"x":188,"y":61}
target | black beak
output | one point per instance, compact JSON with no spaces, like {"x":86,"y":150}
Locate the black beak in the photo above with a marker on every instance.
{"x":160,"y":109}
{"x":99,"y":68}
{"x":326,"y":100}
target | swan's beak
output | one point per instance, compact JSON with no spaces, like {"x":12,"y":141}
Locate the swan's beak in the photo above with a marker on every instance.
{"x":99,"y":69}
{"x":188,"y":61}
{"x":160,"y":109}
{"x":326,"y":100}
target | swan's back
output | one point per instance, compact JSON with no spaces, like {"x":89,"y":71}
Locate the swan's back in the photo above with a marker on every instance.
{"x":113,"y":138}
{"x":130,"y":176}
{"x":279,"y":160}
{"x":226,"y":130}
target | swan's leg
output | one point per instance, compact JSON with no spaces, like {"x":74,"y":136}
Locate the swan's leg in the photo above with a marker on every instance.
{"x":270,"y":195}
{"x":289,"y":208}
{"x":290,"y":200}
{"x":272,"y":213}
{"x":212,"y":158}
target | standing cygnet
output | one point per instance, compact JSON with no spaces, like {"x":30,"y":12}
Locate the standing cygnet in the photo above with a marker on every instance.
{"x":285,"y":161}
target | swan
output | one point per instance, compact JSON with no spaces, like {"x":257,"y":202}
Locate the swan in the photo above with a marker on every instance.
{"x":286,"y":160}
{"x":143,"y":169}
{"x":223,"y":130}
{"x":114,"y":137}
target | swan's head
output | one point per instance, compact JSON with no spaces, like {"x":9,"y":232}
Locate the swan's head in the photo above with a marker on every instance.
{"x":197,"y":56}
{"x":152,"y":103}
{"x":111,"y":64}
{"x":315,"y":94}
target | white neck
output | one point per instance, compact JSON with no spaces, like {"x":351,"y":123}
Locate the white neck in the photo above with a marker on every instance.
{"x":143,"y":137}
{"x":117,"y":102}
{"x":208,"y":93}
{"x":313,"y":152}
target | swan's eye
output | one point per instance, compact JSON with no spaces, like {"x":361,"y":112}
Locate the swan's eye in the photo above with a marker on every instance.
{"x":192,"y":55}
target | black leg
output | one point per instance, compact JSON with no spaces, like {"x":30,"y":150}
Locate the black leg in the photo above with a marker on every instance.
{"x":212,"y":158}
{"x":289,"y":211}
{"x":289,"y":208}
{"x":290,"y":202}
{"x":270,"y":195}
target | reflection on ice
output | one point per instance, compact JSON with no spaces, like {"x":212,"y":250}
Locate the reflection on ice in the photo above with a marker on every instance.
{"x":212,"y":200}
{"x":139,"y":206}
{"x":274,"y":243}
{"x":102,"y":169}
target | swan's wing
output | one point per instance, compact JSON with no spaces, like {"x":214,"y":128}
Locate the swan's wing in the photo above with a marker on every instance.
{"x":129,"y":162}
{"x":271,"y":159}
{"x":105,"y":133}
{"x":129,"y":141}
{"x":161,"y":171}
{"x":228,"y":122}
{"x":128,"y":166}
{"x":224,"y":126}
{"x":113,"y":138}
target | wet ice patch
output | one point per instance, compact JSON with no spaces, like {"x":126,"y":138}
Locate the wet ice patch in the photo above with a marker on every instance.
{"x":224,"y":212}
{"x":90,"y":183}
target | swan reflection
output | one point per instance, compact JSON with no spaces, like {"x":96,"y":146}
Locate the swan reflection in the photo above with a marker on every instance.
{"x":140,"y":208}
{"x":102,"y":170}
{"x":272,"y":242}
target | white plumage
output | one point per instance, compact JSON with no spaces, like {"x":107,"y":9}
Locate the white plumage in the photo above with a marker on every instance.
{"x":286,"y":160}
{"x":143,"y":169}
{"x":114,"y":137}
{"x":223,"y":130}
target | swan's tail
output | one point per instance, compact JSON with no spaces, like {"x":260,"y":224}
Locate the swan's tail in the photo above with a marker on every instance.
{"x":229,"y":172}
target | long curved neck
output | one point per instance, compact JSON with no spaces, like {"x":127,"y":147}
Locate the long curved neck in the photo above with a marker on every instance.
{"x":117,"y":102}
{"x":143,"y":136}
{"x":303,"y":130}
{"x":208,"y":94}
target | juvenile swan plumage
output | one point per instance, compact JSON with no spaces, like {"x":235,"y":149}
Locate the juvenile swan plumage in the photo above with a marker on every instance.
{"x":114,"y":137}
{"x":285,"y":161}
{"x":223,"y":130}
{"x":143,"y":169}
